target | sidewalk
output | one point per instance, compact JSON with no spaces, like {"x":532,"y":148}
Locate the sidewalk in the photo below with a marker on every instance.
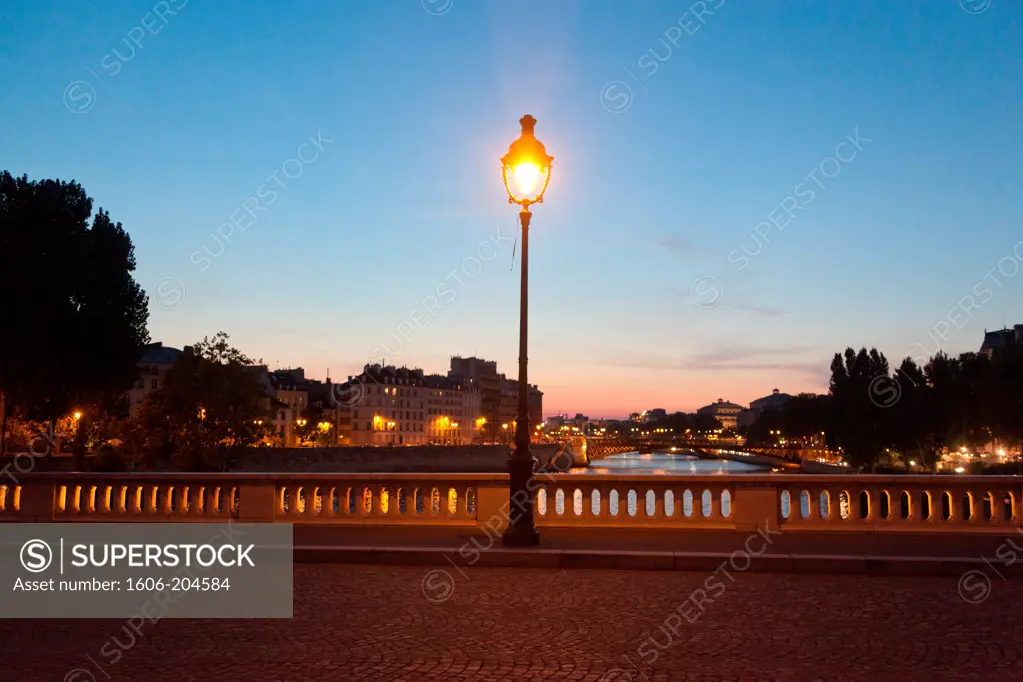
{"x":413,"y":624}
{"x":797,"y":552}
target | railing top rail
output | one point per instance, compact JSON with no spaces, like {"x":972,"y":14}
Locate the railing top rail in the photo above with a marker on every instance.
{"x":790,"y":480}
{"x":799,"y":479}
{"x":226,"y":477}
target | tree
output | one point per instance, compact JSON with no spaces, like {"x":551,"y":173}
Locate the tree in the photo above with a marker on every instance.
{"x":74,"y":327}
{"x":763,"y":432}
{"x":210,"y":408}
{"x":914,"y":416}
{"x":705,"y":423}
{"x":806,"y":415}
{"x":1006,"y":391}
{"x":308,"y":431}
{"x":942,"y":376}
{"x":862,"y":392}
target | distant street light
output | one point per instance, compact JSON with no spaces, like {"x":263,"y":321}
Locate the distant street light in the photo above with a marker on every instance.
{"x":526,"y":170}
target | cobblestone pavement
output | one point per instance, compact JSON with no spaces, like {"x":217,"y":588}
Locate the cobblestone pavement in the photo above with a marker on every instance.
{"x":417,"y":623}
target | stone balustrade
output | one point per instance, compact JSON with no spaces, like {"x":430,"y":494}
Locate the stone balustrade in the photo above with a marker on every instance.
{"x":948,"y":504}
{"x":902,"y":503}
{"x":641,"y":501}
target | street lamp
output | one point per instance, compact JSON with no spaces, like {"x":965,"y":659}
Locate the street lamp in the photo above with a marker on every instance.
{"x":526,"y":170}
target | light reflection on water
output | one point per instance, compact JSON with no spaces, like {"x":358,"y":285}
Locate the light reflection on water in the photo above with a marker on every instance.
{"x":661,"y":464}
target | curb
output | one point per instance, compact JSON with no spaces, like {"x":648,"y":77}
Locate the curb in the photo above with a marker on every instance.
{"x":699,"y":562}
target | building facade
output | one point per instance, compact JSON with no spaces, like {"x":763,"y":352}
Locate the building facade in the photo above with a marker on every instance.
{"x":499,"y":397}
{"x":1001,"y":339}
{"x":775,"y":401}
{"x":725,"y":412}
{"x":156,"y":360}
{"x":483,"y":375}
{"x":535,"y":406}
{"x":402,"y":406}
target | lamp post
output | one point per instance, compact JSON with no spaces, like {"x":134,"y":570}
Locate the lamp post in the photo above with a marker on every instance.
{"x":526,"y":170}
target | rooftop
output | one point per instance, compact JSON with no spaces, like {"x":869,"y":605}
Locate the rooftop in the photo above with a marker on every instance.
{"x":1002,"y":338}
{"x":404,"y":376}
{"x":157,"y":353}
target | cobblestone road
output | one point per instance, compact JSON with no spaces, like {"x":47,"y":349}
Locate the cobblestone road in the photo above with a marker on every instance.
{"x":405,"y":623}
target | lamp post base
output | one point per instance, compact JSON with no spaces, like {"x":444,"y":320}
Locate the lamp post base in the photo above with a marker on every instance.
{"x":521,"y":532}
{"x":520,"y":535}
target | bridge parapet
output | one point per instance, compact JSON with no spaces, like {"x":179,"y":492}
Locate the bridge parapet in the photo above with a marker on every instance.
{"x":879,"y":504}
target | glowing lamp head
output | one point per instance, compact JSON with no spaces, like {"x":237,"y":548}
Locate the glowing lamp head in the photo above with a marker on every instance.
{"x":526,"y":168}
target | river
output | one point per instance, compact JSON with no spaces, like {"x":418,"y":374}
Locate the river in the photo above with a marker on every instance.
{"x":673,"y":464}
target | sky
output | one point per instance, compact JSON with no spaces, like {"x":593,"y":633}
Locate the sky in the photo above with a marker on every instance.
{"x":740,"y":189}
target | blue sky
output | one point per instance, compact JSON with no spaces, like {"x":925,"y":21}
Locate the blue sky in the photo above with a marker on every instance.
{"x":685,"y":139}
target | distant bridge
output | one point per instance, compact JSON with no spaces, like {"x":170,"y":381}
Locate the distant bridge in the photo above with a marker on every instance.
{"x":585,"y":451}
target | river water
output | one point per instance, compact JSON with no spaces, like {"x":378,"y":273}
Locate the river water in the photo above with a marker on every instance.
{"x":673,"y":464}
{"x":664,"y":463}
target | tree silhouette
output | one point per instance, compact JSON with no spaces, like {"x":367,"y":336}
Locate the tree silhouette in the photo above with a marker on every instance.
{"x":862,"y":392}
{"x":210,"y":407}
{"x":72,"y":319}
{"x":913,"y":434}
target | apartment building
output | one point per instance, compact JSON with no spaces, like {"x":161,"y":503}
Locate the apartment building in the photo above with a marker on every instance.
{"x":499,"y":396}
{"x":402,"y":406}
{"x":156,"y":360}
